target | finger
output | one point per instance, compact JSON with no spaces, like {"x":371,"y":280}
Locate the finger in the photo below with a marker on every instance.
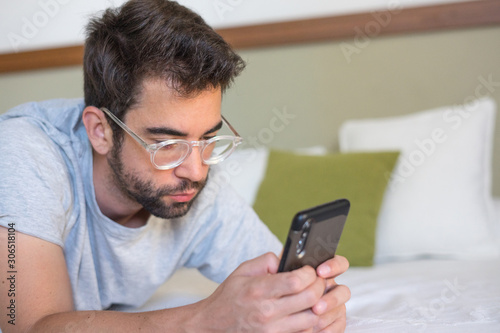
{"x":291,"y":283}
{"x":336,"y":297}
{"x":275,"y":286}
{"x":332,"y":321}
{"x":268,"y":317}
{"x":333,"y":267}
{"x":330,"y":284}
{"x":302,"y":300}
{"x":303,"y":321}
{"x":265,"y":264}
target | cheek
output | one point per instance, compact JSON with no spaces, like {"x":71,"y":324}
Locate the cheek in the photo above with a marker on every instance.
{"x":135,"y":158}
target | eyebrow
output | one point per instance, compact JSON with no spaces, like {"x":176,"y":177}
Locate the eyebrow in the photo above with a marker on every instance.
{"x":174,"y":132}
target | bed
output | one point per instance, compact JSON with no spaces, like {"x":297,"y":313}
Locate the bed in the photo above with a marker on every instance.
{"x":425,"y":296}
{"x":418,"y":296}
{"x":404,"y":127}
{"x":435,"y":248}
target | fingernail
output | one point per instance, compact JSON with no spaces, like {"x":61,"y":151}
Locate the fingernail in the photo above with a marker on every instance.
{"x":324,"y":270}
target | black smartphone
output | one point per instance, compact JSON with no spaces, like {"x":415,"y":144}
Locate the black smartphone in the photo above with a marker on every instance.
{"x":314,"y":235}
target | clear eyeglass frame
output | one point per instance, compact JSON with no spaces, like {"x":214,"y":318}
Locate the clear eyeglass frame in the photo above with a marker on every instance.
{"x":185,"y":145}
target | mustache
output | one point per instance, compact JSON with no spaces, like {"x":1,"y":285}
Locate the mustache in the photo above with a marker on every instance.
{"x":184,"y":186}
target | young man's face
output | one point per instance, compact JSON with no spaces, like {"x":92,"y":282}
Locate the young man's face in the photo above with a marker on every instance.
{"x":159,"y":116}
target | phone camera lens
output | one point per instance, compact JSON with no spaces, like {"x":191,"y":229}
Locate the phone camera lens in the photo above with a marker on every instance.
{"x":302,"y":242}
{"x":303,"y":238}
{"x":306,"y":225}
{"x":302,"y":217}
{"x":300,"y":247}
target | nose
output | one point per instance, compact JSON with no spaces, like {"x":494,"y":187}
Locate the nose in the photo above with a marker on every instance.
{"x":192,"y":167}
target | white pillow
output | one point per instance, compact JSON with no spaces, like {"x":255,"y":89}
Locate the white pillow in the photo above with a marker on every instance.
{"x":246,"y":167}
{"x":496,"y":208}
{"x":244,"y":170}
{"x":438,"y":202}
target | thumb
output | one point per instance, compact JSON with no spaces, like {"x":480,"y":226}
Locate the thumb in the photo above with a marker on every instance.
{"x":262,"y":265}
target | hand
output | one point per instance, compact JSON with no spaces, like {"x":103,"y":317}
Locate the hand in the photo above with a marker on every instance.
{"x":331,"y":307}
{"x":255,"y":299}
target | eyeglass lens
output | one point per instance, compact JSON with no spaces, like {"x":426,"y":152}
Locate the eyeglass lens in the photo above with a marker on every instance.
{"x":212,"y":153}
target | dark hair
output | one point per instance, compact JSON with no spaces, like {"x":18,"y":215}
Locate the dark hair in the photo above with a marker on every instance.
{"x":153,"y":39}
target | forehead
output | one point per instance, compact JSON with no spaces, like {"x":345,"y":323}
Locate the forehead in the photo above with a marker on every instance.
{"x":159,"y":105}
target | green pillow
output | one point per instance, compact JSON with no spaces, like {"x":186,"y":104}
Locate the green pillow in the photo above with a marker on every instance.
{"x":294,"y":182}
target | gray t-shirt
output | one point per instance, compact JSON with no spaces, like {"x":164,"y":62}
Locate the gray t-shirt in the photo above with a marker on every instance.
{"x":46,"y":190}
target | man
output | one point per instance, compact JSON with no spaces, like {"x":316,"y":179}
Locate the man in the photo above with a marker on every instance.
{"x":103,"y":199}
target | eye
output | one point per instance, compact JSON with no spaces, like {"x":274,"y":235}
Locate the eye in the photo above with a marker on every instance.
{"x":208,"y":137}
{"x":172,"y":146}
{"x":160,"y":140}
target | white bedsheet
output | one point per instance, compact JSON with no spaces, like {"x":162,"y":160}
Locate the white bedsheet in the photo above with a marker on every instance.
{"x":425,"y":296}
{"x":419,"y":296}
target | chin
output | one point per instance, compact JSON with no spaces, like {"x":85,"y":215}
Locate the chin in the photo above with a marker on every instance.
{"x":169,"y":210}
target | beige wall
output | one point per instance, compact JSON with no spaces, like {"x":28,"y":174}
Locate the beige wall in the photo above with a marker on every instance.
{"x":390,"y":76}
{"x":319,"y":86}
{"x":17,"y":88}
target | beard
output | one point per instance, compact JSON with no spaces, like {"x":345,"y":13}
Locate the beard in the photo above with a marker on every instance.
{"x":149,"y":197}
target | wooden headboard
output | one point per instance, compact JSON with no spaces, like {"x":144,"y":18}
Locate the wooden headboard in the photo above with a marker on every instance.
{"x":372,"y":24}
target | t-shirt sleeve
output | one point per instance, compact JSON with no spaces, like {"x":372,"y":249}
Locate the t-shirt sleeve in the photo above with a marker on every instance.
{"x":231,"y":234}
{"x":35,"y":185}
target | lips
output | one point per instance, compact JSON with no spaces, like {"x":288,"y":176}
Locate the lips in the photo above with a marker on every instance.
{"x":183,"y":197}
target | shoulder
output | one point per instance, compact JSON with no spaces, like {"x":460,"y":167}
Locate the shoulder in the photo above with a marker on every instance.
{"x":23,"y":141}
{"x":35,"y":180}
{"x":20,"y":128}
{"x":54,"y":117}
{"x":41,"y":128}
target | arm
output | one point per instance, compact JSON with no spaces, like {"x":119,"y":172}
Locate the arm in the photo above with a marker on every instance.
{"x":41,"y":285}
{"x":252,"y":298}
{"x":43,"y":295}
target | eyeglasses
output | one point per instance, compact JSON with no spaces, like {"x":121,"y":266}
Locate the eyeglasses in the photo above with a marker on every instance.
{"x":171,"y":153}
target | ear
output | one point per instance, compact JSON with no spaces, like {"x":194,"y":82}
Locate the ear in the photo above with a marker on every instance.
{"x":98,"y":129}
